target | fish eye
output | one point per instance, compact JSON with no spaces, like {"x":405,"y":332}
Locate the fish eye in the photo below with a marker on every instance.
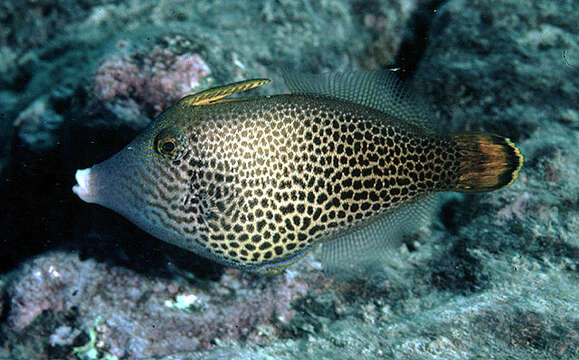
{"x":170,"y":143}
{"x":168,"y":146}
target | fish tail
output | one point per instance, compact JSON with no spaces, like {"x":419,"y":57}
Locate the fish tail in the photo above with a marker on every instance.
{"x":487,"y":162}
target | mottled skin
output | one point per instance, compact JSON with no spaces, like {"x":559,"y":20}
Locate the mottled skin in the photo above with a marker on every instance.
{"x":256,"y":182}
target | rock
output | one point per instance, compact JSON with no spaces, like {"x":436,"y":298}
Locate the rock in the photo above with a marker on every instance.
{"x":134,"y":316}
{"x":495,"y":276}
{"x":37,"y":126}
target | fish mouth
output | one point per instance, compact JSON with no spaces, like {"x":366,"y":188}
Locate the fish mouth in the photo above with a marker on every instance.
{"x":84,"y":188}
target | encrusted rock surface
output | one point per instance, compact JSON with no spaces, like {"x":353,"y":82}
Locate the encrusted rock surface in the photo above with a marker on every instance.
{"x":495,"y":276}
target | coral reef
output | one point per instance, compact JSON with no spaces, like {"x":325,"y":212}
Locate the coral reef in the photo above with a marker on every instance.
{"x":106,"y":69}
{"x":131,"y":315}
{"x":385,"y":21}
{"x":37,"y":126}
{"x":494,"y":276}
{"x":153,"y":80}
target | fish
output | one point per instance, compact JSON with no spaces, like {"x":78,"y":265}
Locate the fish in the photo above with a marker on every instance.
{"x":344,"y":161}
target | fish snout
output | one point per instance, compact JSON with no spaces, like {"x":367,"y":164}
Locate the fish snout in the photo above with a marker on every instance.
{"x":84,"y":188}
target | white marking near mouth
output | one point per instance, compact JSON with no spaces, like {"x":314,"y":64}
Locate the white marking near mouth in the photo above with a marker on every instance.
{"x":83,"y":189}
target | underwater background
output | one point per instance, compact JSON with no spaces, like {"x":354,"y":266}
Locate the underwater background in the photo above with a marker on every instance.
{"x":494,"y":276}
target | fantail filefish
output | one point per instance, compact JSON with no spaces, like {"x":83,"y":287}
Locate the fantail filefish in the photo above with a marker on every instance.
{"x":254,"y":182}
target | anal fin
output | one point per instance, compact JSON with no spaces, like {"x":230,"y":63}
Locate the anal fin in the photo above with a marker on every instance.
{"x":375,"y":244}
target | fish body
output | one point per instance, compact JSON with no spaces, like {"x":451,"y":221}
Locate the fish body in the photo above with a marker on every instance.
{"x":255,"y":182}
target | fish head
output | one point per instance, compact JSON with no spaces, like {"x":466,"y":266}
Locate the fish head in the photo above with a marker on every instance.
{"x":146,"y":182}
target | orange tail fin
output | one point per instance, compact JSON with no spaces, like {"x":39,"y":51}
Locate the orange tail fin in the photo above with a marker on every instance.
{"x":489,"y":162}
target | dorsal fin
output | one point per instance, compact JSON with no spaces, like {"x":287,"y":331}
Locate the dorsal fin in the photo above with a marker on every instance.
{"x":235,"y":99}
{"x":379,"y":89}
{"x":212,"y":95}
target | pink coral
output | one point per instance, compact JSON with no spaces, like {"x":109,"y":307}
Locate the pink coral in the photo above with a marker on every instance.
{"x":154,"y":82}
{"x":118,"y":76}
{"x":46,"y":283}
{"x":172,"y":77}
{"x":514,"y":209}
{"x":137,"y":318}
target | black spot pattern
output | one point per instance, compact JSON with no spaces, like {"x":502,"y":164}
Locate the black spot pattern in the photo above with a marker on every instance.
{"x":266,"y":178}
